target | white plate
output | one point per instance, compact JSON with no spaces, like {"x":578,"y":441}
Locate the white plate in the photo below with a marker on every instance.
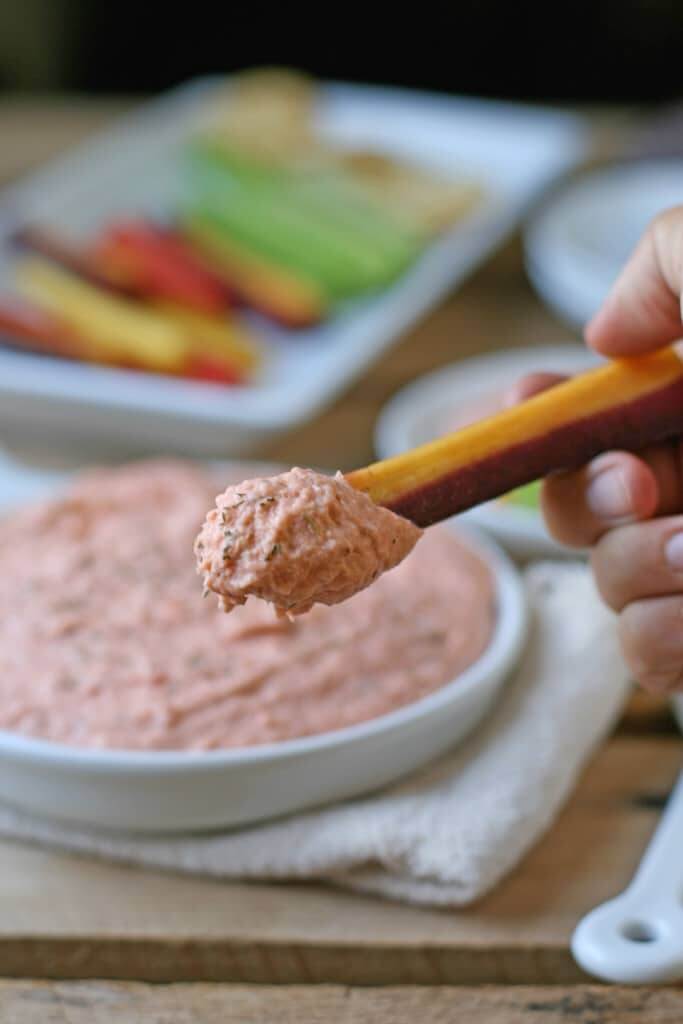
{"x":180,"y":791}
{"x":582,"y":236}
{"x":426,"y":408}
{"x":513,"y":150}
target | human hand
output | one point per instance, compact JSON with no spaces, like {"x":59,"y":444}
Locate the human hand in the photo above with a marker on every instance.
{"x":627,"y":509}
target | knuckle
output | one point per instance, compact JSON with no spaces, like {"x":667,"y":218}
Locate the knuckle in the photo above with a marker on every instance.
{"x":625,"y":563}
{"x":652,"y":640}
{"x":666,"y":235}
{"x":667,"y":681}
{"x":608,"y":578}
{"x":666,"y":219}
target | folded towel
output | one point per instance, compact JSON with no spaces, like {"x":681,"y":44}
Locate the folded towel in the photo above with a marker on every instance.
{"x":447,"y":835}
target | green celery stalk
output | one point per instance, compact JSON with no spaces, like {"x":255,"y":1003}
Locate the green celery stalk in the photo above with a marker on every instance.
{"x":308,"y":225}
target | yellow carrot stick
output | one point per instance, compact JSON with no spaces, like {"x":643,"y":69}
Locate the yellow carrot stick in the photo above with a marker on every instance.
{"x":221,"y":339}
{"x":117,"y":328}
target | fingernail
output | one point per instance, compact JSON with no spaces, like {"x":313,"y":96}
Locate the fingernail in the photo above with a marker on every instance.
{"x":608,"y":497}
{"x":673,"y":551}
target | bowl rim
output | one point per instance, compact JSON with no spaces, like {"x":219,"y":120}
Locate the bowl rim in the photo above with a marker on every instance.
{"x":501,"y":654}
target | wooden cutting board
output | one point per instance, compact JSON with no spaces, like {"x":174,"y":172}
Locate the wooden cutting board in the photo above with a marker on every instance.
{"x":71,"y":917}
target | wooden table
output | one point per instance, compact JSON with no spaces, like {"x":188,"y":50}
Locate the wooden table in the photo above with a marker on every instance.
{"x":102,"y":933}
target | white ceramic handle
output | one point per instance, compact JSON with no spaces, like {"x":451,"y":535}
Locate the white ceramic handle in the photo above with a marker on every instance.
{"x":637,"y":938}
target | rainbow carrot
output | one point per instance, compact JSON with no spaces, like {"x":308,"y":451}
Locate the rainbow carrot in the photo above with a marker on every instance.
{"x":626,"y":404}
{"x":25,"y":326}
{"x":269,"y":289}
{"x":118,"y":331}
{"x":152,"y":261}
{"x":54,"y":247}
{"x":222,"y":341}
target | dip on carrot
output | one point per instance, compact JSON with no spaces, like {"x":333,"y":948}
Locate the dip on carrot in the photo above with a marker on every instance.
{"x":298,"y":539}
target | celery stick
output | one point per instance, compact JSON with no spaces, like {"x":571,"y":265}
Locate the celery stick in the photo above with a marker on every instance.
{"x":276,"y":229}
{"x":307,"y":223}
{"x":263,"y":237}
{"x":323,"y":192}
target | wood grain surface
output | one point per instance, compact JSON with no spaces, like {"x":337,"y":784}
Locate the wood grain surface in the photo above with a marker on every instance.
{"x":129,"y":1003}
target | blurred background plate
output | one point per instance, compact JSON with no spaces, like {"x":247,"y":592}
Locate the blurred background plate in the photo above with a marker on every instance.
{"x":584,"y":232}
{"x":447,"y":399}
{"x":512,"y":150}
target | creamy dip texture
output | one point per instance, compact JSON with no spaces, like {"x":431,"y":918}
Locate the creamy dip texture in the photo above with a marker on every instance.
{"x":105,"y":640}
{"x":298,"y":539}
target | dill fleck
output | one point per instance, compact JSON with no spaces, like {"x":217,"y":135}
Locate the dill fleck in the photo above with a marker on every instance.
{"x":275,"y":550}
{"x":205,"y":592}
{"x":266,"y":501}
{"x":312,"y":525}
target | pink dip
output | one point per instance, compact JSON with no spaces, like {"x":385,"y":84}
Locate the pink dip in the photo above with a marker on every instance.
{"x":298,"y":539}
{"x":106,"y":642}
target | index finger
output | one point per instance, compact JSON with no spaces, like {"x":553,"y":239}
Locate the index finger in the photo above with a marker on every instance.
{"x":643,"y":310}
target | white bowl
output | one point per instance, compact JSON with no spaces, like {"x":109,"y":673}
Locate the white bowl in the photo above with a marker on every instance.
{"x":579,"y":240}
{"x":424,"y":409}
{"x":173,"y":791}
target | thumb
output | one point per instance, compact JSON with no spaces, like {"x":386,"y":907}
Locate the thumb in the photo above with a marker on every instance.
{"x":643,"y":310}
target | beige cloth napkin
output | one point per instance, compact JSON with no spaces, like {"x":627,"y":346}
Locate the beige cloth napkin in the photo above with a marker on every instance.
{"x":450,"y":833}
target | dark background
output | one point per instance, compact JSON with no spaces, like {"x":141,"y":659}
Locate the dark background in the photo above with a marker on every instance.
{"x":586,"y":52}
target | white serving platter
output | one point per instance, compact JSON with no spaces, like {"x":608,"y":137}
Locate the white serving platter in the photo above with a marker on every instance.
{"x":428,"y":407}
{"x":582,"y":236}
{"x":513,"y":150}
{"x":171,"y":791}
